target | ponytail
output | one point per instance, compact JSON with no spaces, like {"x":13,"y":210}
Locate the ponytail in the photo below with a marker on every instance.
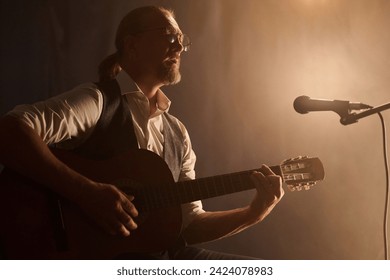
{"x":109,"y":68}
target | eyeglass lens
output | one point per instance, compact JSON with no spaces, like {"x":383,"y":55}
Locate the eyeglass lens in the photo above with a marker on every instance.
{"x":182,"y":38}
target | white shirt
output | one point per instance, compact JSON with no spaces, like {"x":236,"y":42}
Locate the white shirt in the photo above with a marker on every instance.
{"x":73,"y":115}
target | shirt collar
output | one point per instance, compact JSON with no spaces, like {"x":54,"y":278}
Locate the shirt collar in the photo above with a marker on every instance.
{"x":128,"y":86}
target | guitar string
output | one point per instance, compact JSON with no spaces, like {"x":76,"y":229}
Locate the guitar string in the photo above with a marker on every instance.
{"x":175,"y":193}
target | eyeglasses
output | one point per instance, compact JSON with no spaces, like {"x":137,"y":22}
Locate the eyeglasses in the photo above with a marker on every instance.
{"x":173,"y":38}
{"x":183,"y":39}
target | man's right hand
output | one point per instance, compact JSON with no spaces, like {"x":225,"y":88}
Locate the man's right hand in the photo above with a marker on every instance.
{"x":110,"y":208}
{"x":24,"y":151}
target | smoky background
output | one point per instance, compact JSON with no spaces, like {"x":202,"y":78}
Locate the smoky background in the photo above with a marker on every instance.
{"x":248,"y":61}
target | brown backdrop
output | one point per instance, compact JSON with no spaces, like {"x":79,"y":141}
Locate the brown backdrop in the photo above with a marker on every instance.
{"x":249,"y":60}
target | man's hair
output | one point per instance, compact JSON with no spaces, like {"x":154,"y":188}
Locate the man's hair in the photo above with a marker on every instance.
{"x":134,"y":22}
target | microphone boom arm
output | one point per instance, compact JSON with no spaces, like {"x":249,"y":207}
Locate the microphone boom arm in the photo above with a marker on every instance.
{"x":354,"y":117}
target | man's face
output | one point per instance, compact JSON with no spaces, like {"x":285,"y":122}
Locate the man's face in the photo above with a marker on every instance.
{"x":158,"y":51}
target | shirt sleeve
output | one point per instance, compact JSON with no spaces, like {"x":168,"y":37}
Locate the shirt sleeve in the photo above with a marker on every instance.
{"x":70,"y":115}
{"x":189,"y":210}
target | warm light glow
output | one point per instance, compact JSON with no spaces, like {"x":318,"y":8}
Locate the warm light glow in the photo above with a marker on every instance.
{"x":249,"y":60}
{"x":265,"y":54}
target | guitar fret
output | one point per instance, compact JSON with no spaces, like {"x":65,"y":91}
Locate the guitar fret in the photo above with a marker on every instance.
{"x":191,"y":192}
{"x":198,"y":185}
{"x":205,"y":188}
{"x":231,"y":184}
{"x":242,"y":181}
{"x":221,"y":188}
{"x":228,"y":185}
{"x":213,"y":191}
{"x":197,"y":189}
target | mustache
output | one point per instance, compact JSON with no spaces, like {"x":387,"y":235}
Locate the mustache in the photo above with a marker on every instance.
{"x":175,"y":59}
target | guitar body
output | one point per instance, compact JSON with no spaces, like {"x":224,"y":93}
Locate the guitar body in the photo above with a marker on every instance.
{"x":36,"y":224}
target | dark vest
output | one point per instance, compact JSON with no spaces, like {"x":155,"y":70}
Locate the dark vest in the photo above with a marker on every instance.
{"x":114,"y":132}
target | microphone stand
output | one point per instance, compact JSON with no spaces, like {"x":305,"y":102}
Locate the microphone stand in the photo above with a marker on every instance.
{"x":350,"y":118}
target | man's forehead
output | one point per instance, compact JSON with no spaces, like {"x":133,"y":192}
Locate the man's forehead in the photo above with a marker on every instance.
{"x":167,"y":22}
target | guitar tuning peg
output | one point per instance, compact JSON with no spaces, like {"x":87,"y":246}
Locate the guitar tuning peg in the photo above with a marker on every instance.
{"x":308,"y":185}
{"x":292,"y":188}
{"x":299,"y":187}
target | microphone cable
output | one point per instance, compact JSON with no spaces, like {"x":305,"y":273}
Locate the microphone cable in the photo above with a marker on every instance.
{"x":387,"y":187}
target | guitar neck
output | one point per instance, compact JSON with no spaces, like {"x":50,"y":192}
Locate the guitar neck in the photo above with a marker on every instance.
{"x":203,"y":188}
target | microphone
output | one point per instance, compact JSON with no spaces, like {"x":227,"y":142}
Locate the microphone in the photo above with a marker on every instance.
{"x":304,"y":104}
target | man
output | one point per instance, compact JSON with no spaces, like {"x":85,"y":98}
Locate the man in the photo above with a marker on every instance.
{"x":149,"y":44}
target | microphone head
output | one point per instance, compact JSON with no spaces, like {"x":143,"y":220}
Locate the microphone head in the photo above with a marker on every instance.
{"x":300,"y":104}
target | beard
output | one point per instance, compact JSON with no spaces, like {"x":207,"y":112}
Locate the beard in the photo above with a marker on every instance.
{"x":170,"y":73}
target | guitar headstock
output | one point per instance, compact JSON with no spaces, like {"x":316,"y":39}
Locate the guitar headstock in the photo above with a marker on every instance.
{"x":301,"y":173}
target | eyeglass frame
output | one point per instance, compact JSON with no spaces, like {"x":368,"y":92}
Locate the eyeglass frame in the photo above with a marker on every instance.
{"x":173,"y":37}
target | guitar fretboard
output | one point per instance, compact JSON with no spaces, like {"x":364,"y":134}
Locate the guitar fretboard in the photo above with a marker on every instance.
{"x":153,"y":197}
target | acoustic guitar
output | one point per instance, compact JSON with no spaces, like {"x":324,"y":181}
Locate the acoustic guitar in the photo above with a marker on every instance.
{"x":37,"y":224}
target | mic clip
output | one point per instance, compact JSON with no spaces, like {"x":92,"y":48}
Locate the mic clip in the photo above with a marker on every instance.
{"x":350,"y":118}
{"x":344,"y":108}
